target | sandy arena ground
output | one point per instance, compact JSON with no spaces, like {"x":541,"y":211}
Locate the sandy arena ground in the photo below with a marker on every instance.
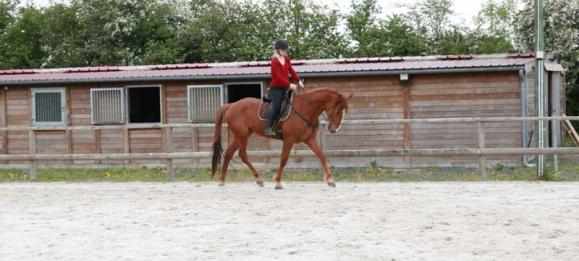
{"x":306,"y":221}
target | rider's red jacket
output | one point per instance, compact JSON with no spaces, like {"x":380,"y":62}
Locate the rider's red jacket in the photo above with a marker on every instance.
{"x":280,"y":73}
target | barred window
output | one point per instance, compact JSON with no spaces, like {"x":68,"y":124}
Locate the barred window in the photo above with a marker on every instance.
{"x":204,"y":102}
{"x":48,"y":107}
{"x":108,"y":105}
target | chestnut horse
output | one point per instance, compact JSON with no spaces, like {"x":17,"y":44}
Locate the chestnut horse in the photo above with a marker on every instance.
{"x":301,"y":126}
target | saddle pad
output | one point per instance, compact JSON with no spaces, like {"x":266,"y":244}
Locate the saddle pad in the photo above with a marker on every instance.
{"x":265,"y":107}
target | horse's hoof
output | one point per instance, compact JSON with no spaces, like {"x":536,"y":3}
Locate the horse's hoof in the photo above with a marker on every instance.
{"x":259,"y":183}
{"x":332,"y":184}
{"x":278,"y":187}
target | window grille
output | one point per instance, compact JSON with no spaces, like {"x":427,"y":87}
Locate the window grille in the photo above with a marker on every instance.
{"x":204,"y":102}
{"x":108,"y":106}
{"x":48,"y":107}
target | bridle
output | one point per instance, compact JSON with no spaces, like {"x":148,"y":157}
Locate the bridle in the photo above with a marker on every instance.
{"x":314,"y":126}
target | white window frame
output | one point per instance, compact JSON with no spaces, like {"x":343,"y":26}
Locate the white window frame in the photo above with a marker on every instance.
{"x":190,"y":87}
{"x":226,"y":86}
{"x":62,"y":91}
{"x":128,"y":104}
{"x":123,"y":109}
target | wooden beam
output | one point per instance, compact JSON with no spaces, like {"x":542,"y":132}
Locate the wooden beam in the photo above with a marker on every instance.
{"x":407,"y":110}
{"x":68,"y":139}
{"x":68,"y":107}
{"x":165,"y":105}
{"x":3,"y":116}
{"x":127,"y":143}
{"x":466,"y":152}
{"x":97,"y":143}
{"x":33,"y":172}
{"x":571,"y":131}
{"x":482,"y":162}
{"x":169,"y":149}
{"x":348,"y":122}
{"x":195,"y":142}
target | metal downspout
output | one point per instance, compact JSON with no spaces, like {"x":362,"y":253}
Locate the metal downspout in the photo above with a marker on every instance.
{"x":524,"y":126}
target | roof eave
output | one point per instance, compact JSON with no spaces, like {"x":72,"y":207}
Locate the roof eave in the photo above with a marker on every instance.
{"x":266,"y":76}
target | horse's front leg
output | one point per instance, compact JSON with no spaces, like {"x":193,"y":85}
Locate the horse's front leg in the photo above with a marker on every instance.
{"x":287,"y":147}
{"x":313,"y":144}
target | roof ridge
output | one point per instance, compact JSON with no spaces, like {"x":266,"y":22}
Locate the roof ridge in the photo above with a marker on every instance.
{"x":297,"y":62}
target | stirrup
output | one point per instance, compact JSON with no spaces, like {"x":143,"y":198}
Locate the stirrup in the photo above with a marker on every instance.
{"x":269,"y":132}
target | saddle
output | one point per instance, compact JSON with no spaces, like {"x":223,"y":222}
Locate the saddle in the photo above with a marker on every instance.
{"x":285,"y":111}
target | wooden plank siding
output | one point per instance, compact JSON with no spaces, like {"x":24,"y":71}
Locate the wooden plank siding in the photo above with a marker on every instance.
{"x":464,"y":95}
{"x":379,"y":97}
{"x":375,"y":97}
{"x":18,"y":114}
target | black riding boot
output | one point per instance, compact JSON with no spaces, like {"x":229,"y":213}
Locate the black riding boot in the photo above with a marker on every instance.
{"x":276,"y":96}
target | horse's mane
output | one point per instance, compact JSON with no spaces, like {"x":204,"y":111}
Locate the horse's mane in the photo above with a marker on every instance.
{"x":341,"y":100}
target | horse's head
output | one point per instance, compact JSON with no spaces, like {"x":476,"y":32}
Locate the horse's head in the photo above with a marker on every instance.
{"x":337,"y":111}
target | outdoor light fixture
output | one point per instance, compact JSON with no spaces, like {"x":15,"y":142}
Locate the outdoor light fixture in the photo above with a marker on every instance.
{"x":404,"y":78}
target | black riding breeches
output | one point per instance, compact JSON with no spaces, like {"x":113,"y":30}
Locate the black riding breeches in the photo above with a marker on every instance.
{"x":276,"y":96}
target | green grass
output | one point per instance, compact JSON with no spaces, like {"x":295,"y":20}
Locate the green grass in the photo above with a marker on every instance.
{"x":568,"y":171}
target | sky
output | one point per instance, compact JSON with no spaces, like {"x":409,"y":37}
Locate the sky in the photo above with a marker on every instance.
{"x":464,"y":10}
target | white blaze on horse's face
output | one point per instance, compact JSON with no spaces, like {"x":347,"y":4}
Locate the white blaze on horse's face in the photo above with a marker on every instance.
{"x":341,"y":120}
{"x":336,"y":120}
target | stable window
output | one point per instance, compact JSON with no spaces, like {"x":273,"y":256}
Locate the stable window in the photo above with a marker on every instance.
{"x":238,"y":91}
{"x":48,"y":107}
{"x":108,"y":105}
{"x":204,"y":101}
{"x":144,"y":104}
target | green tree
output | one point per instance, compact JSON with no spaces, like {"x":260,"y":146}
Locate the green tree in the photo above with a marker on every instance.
{"x":61,"y":40}
{"x":21,"y":45}
{"x":120,"y":31}
{"x":495,"y":27}
{"x":7,"y":9}
{"x":363,"y":27}
{"x":314,"y":32}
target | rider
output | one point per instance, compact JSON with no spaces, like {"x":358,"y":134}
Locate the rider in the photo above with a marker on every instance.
{"x":281,"y":68}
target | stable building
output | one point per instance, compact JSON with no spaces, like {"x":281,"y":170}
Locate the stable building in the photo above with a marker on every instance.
{"x":124,"y":107}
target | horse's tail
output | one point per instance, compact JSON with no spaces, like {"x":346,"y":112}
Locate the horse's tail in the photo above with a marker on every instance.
{"x":217,"y":149}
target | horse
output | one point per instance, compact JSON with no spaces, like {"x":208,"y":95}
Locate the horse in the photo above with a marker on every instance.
{"x":301,"y":126}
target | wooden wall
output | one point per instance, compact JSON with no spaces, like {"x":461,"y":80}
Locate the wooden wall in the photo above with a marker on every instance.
{"x":464,"y":95}
{"x":376,"y":97}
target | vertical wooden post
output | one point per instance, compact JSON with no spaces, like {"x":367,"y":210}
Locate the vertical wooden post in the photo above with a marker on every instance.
{"x":4,"y":122}
{"x":407,"y":110}
{"x":481,"y":145}
{"x":3,"y":115}
{"x":323,"y":147}
{"x":169,"y":149}
{"x":195,"y":143}
{"x":4,"y":141}
{"x":33,"y":173}
{"x":97,"y":138}
{"x":68,"y":138}
{"x":127,"y":142}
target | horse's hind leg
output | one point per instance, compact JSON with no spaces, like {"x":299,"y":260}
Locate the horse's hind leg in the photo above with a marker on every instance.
{"x":243,"y":156}
{"x":226,"y":158}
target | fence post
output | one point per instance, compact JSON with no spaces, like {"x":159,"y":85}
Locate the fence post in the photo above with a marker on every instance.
{"x":127,"y":142}
{"x":481,"y":145}
{"x":195,"y":143}
{"x":168,"y":149}
{"x":33,"y":172}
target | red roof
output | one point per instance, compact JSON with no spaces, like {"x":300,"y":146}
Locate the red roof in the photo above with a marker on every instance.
{"x":260,"y":69}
